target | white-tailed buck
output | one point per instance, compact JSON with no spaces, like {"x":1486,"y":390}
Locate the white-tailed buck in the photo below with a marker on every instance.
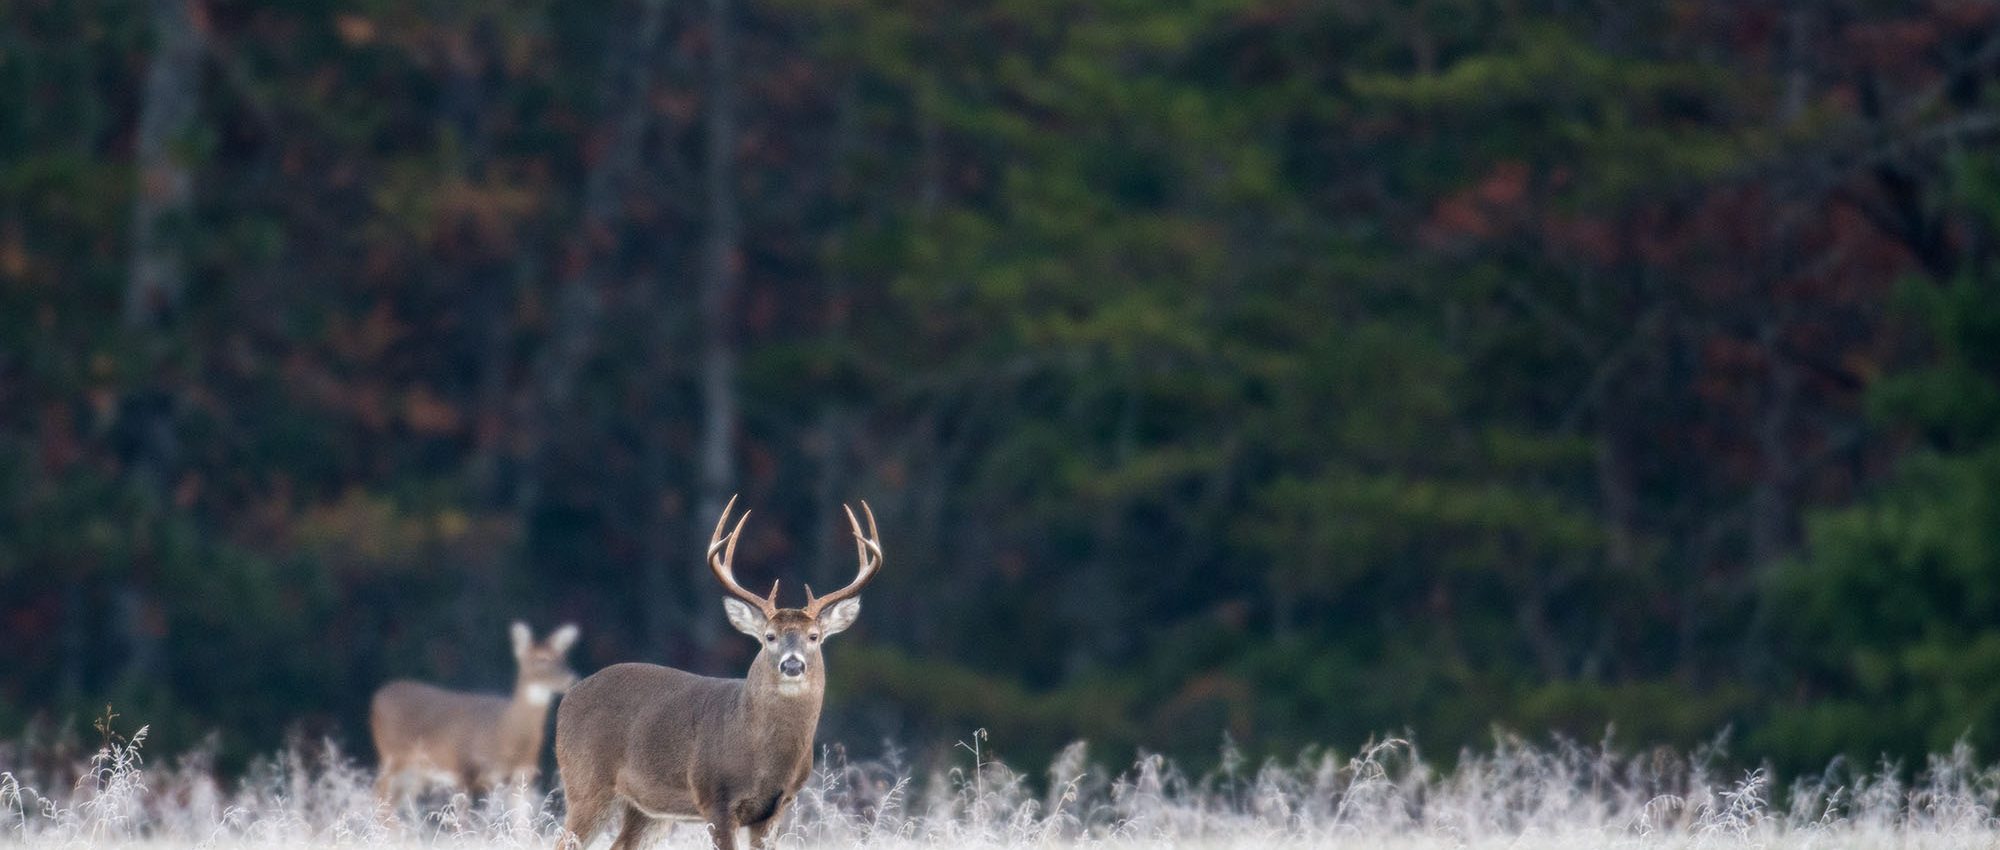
{"x":653,"y":743}
{"x":479,"y":741}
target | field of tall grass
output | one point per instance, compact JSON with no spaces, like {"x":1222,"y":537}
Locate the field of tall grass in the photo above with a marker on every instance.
{"x":1387,"y":794}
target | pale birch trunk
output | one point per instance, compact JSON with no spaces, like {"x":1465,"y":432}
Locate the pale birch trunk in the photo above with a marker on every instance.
{"x":163,"y":202}
{"x":721,"y":278}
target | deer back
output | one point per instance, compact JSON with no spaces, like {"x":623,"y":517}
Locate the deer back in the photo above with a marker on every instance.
{"x":417,"y":724}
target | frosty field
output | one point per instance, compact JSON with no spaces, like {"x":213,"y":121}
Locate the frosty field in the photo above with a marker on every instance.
{"x":1512,"y":794}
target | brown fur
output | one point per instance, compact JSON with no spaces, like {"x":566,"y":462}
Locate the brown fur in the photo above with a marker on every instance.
{"x":482,"y":741}
{"x":652,"y":742}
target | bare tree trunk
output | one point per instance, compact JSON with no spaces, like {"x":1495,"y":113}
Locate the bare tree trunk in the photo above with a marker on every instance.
{"x":831,"y":440}
{"x":161,"y":207}
{"x":930,"y":148}
{"x":671,"y":597}
{"x":659,"y":504}
{"x":468,"y":92}
{"x":1618,"y":494}
{"x":579,"y":299}
{"x":1771,"y":507}
{"x":166,"y":182}
{"x":828,"y":443}
{"x":1531,"y":613}
{"x":721,"y":280}
{"x":74,"y":641}
{"x":1097,"y":606}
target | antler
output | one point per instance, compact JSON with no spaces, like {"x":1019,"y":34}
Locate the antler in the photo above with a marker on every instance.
{"x":724,"y":567}
{"x":867,"y":547}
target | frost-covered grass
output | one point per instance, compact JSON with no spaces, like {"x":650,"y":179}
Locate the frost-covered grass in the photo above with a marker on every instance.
{"x":1514,"y":794}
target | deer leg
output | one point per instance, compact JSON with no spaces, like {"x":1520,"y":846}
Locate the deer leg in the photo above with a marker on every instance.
{"x":385,"y":782}
{"x":760,"y":832}
{"x":584,"y":820}
{"x":633,"y":833}
{"x":722,"y":828}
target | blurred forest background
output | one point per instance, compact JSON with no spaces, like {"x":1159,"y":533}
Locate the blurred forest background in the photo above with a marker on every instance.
{"x":1283,"y":369}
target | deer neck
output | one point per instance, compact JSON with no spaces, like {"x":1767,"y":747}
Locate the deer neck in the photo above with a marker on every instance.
{"x":529,"y":696}
{"x":784,"y":715}
{"x":525,"y":715}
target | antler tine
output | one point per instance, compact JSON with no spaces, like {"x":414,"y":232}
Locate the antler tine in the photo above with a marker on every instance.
{"x":717,"y":544}
{"x":867,"y":549}
{"x":724,"y":520}
{"x":724,"y":567}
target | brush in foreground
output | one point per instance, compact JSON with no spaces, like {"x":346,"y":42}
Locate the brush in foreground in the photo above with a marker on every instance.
{"x":1514,"y":795}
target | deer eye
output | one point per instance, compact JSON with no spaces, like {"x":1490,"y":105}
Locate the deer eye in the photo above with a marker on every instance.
{"x":770,"y":636}
{"x":814,"y":637}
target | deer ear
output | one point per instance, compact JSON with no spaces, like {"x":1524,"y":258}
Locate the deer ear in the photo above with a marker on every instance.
{"x":843,"y":614}
{"x":746,"y":619}
{"x":522,"y":638}
{"x":563,"y":638}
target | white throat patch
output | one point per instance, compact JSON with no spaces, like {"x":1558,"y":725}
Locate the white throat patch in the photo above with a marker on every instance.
{"x":538,"y":694}
{"x":792,"y":687}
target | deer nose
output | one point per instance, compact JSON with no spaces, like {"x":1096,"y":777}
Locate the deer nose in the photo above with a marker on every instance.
{"x":792,"y":665}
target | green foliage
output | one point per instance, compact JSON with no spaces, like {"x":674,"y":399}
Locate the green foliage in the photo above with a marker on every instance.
{"x":1891,"y":614}
{"x":1291,"y":371}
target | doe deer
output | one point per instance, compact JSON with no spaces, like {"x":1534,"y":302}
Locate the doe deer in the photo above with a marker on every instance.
{"x":479,"y":741}
{"x":658,"y":744}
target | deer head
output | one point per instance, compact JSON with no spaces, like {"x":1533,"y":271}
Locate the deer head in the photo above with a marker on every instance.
{"x":543,"y":668}
{"x":790,"y":638}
